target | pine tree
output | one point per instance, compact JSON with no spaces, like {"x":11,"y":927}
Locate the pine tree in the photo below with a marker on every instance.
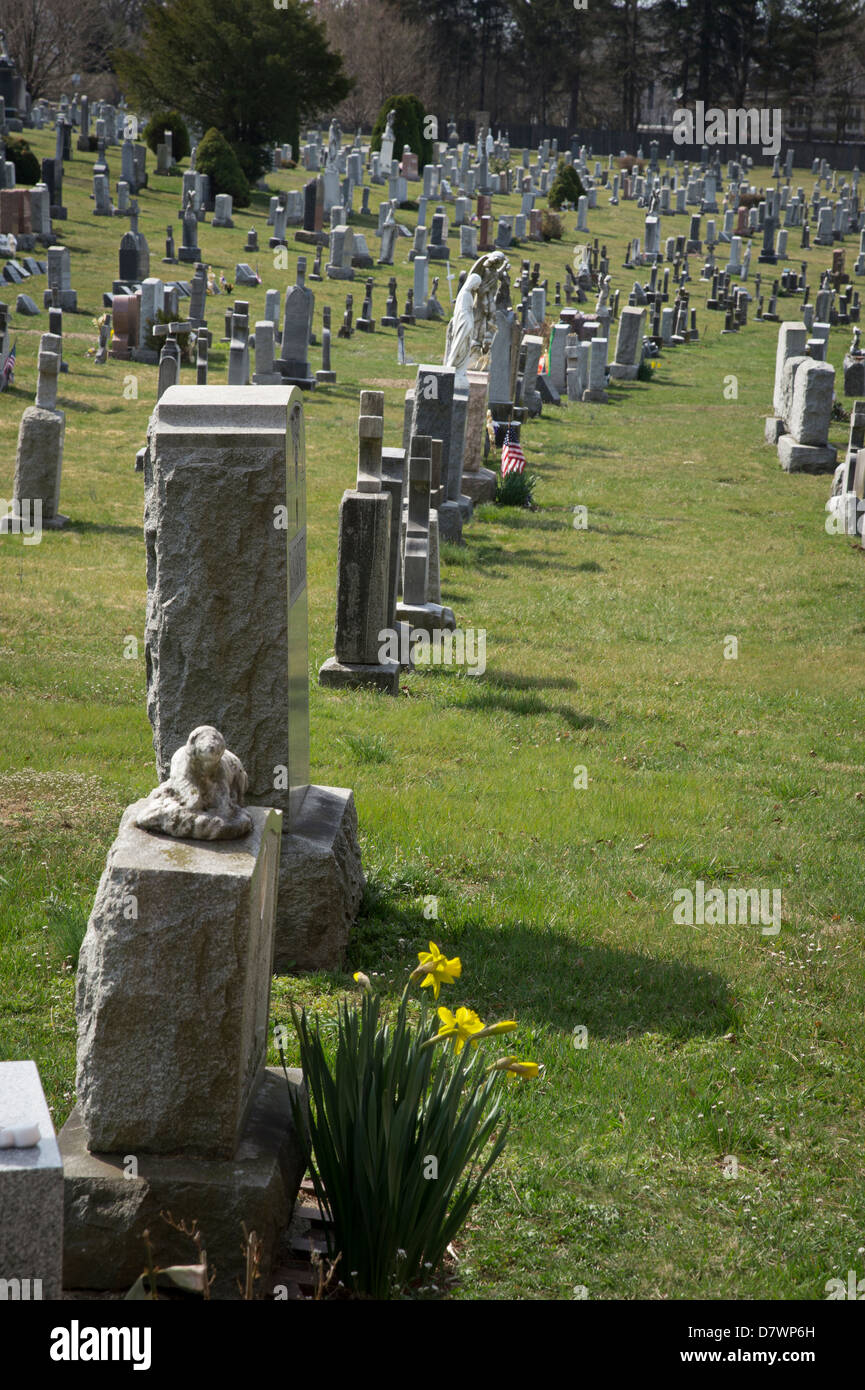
{"x":244,"y":67}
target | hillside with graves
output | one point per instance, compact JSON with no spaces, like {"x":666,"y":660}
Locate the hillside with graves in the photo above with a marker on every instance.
{"x":447,"y":562}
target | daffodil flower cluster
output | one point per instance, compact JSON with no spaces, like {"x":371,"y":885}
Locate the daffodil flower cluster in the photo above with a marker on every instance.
{"x":464,"y":1026}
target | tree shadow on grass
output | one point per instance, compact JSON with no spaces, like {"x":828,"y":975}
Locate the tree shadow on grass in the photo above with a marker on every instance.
{"x":82,"y":407}
{"x":105,"y":528}
{"x":481,"y":694}
{"x":611,"y":992}
{"x":521,"y":519}
{"x":537,"y":562}
{"x":514,"y":680}
{"x":541,"y":977}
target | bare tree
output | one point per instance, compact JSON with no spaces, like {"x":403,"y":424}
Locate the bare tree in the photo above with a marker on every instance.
{"x":384,"y":52}
{"x":48,"y":40}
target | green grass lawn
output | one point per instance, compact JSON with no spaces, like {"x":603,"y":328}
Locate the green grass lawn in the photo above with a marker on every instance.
{"x":605,"y":651}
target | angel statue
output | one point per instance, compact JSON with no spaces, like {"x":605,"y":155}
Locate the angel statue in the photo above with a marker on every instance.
{"x":603,"y":295}
{"x":473,"y":326}
{"x":334,"y":138}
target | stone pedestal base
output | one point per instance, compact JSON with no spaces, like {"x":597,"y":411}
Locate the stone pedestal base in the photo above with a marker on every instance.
{"x":321,"y":883}
{"x":845,"y":509}
{"x":480,"y":485}
{"x":450,"y":522}
{"x":31,"y":1180}
{"x":339,"y":272}
{"x":854,"y":375}
{"x":350,"y":675}
{"x":327,"y":377}
{"x":506,"y":411}
{"x":11,"y":524}
{"x":306,"y":383}
{"x":775,"y":427}
{"x":189,"y":254}
{"x":623,"y":371}
{"x":107,"y":1209}
{"x":599,"y":397}
{"x":806,"y":458}
{"x":465,"y":505}
{"x":430,"y":617}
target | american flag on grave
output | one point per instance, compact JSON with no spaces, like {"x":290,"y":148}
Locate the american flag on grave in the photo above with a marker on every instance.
{"x":7,"y":369}
{"x":513,"y":458}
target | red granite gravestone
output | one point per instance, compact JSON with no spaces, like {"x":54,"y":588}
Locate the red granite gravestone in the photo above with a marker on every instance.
{"x":15,"y":211}
{"x":125,"y":310}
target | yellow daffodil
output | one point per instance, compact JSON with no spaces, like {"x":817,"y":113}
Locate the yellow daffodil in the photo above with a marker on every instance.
{"x":362,"y":980}
{"x":462,"y":1026}
{"x":514,"y":1067}
{"x":494,"y":1029}
{"x":436,"y":969}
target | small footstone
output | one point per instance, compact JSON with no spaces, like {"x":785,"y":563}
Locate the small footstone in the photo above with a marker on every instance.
{"x":383,"y":676}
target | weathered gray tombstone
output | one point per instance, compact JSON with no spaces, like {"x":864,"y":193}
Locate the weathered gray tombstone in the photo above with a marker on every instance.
{"x":339,"y":266}
{"x":792,"y":338}
{"x":415,"y":609}
{"x":152,"y":304}
{"x":238,"y":351}
{"x":39,"y":456}
{"x":629,"y":344}
{"x":169,"y":367}
{"x":235,"y":456}
{"x":421,"y":286}
{"x":176,"y":1108}
{"x":596,"y":389}
{"x":265,"y":347}
{"x":59,"y":280}
{"x":202,"y":348}
{"x":31,"y":1189}
{"x":222,"y":211}
{"x":806,"y":448}
{"x":393,"y":482}
{"x":326,"y":372}
{"x":293,"y":362}
{"x":434,"y":416}
{"x":478,"y":483}
{"x":362,"y":594}
{"x":531,"y":397}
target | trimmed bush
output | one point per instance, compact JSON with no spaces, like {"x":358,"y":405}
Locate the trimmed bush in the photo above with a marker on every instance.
{"x":216,"y":158}
{"x":566,"y":187}
{"x":407,"y":128}
{"x":254,"y":160}
{"x":551,"y":225}
{"x":19,"y":153}
{"x":154,"y":133}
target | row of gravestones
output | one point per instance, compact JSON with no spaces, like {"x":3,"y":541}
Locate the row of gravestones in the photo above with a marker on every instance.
{"x":176,"y":1108}
{"x":803,"y":399}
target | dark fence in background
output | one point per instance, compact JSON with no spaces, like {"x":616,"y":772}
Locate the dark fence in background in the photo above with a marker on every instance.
{"x":606,"y":142}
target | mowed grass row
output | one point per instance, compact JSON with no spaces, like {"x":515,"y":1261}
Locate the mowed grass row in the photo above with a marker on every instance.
{"x":605,"y":651}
